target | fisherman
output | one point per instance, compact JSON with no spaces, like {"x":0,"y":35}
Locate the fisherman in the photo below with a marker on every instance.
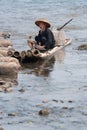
{"x":45,"y":38}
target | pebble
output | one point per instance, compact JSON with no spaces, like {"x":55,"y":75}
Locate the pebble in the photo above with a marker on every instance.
{"x":85,"y":114}
{"x":70,"y":101}
{"x":44,"y":112}
{"x":21,"y":90}
{"x":1,"y":112}
{"x":61,"y":101}
{"x":6,"y":35}
{"x":64,"y":107}
{"x":55,"y":100}
{"x":8,"y":90}
{"x":45,"y":101}
{"x":82,"y":47}
{"x":84,"y":88}
{"x":38,"y":105}
{"x":12,"y":114}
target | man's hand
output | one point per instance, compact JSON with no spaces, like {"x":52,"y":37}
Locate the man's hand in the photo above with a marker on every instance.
{"x":40,"y":47}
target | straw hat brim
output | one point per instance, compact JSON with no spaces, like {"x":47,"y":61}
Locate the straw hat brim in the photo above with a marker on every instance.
{"x":43,"y":21}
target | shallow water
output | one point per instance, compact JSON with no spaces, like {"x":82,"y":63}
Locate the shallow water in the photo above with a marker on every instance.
{"x":62,"y":81}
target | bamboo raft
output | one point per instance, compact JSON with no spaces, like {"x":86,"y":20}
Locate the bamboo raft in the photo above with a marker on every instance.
{"x":34,"y":55}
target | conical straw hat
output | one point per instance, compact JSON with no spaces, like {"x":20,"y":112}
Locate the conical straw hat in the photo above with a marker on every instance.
{"x":42,"y":20}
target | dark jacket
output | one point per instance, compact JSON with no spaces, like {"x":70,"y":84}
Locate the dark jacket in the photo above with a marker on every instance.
{"x":46,"y":38}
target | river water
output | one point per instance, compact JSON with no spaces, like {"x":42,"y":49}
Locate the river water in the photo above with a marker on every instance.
{"x":59,"y":84}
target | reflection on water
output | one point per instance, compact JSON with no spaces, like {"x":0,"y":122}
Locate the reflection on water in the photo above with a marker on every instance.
{"x":43,"y":67}
{"x":60,"y":55}
{"x":39,"y":68}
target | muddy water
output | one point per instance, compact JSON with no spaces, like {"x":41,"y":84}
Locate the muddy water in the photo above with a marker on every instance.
{"x":59,"y":84}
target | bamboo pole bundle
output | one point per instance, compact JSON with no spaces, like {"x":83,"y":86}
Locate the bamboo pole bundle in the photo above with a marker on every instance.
{"x":9,"y":65}
{"x":23,"y":54}
{"x":17,"y":55}
{"x":3,"y":52}
{"x":29,"y":53}
{"x":36,"y":52}
{"x":5,"y":43}
{"x":10,"y":53}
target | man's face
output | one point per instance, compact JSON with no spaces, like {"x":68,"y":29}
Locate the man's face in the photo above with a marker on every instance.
{"x":42,"y":26}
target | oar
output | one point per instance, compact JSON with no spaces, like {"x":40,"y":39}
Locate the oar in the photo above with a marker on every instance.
{"x":64,"y":25}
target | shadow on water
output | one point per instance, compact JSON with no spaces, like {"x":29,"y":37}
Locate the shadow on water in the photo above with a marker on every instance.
{"x":43,"y":67}
{"x":39,"y":68}
{"x":60,"y":55}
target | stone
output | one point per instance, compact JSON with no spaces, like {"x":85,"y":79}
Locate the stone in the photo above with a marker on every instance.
{"x":8,"y":89}
{"x":1,"y":112}
{"x":44,"y":112}
{"x":12,"y":114}
{"x":38,"y":105}
{"x":45,"y":101}
{"x":64,"y":107}
{"x":21,"y":90}
{"x":70,"y":101}
{"x":54,"y":100}
{"x":82,"y":47}
{"x":6,"y":35}
{"x":9,"y":66}
{"x":61,"y":101}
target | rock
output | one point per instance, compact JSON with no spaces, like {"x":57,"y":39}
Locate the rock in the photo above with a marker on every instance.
{"x":5,"y":43}
{"x":44,"y":112}
{"x":64,"y":107}
{"x":82,"y":47}
{"x":6,"y":35}
{"x":9,"y":66}
{"x":1,"y":112}
{"x":61,"y":101}
{"x":21,"y":90}
{"x":38,"y":105}
{"x":45,"y":101}
{"x":85,"y":114}
{"x":12,"y":114}
{"x":54,"y":100}
{"x":8,"y":89}
{"x":70,"y":101}
{"x":84,"y":88}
